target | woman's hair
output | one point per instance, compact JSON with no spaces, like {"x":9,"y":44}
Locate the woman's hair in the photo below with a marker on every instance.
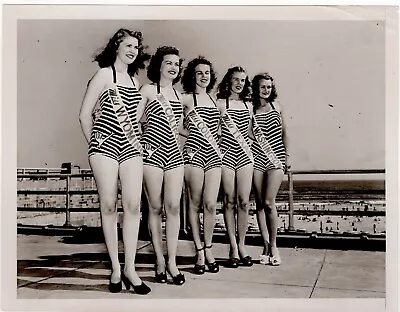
{"x":189,"y":75}
{"x":153,"y":70}
{"x":224,"y":88}
{"x":255,"y":85}
{"x":108,"y":56}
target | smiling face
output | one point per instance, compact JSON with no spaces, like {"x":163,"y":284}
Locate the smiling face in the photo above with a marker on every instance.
{"x":170,"y":66}
{"x":128,"y":50}
{"x":265,"y":88}
{"x":202,"y":75}
{"x":238,"y":81}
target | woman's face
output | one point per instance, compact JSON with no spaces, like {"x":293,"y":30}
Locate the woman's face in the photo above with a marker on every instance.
{"x":170,"y":66}
{"x":237,"y":82}
{"x":203,"y":74}
{"x":128,"y":50}
{"x":265,"y":88}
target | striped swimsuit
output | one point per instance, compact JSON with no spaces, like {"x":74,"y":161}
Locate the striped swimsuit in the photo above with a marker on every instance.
{"x":270,"y":124}
{"x":160,"y":146}
{"x":198,"y":152}
{"x":235,"y":157}
{"x":107,"y":137}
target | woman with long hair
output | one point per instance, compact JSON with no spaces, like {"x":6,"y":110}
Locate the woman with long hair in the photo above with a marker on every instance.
{"x":237,"y":162}
{"x":202,"y":157}
{"x":115,"y":150}
{"x":270,"y":161}
{"x":163,"y":161}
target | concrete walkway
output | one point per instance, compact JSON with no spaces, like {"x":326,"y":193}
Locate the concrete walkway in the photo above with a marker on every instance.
{"x":55,"y":267}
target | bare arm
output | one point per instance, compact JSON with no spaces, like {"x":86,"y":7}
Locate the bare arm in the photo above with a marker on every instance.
{"x":93,"y":91}
{"x":145,"y":92}
{"x":250,"y":130}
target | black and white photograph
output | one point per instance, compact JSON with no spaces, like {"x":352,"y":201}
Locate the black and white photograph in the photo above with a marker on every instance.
{"x":233,"y":154}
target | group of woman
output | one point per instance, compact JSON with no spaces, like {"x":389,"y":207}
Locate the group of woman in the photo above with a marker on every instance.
{"x":236,"y":140}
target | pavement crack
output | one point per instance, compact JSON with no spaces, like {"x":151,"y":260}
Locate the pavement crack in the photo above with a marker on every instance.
{"x":319,"y":273}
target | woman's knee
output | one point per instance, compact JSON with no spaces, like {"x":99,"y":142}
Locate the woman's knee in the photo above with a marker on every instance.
{"x":131,"y":206}
{"x":172,"y":209}
{"x":210,"y":207}
{"x":269,"y":204}
{"x":230,"y":203}
{"x":155,"y":208}
{"x":244,"y":203}
{"x":108,"y":205}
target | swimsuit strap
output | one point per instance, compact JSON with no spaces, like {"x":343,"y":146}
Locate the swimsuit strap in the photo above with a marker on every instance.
{"x":272,"y":105}
{"x":227,"y":103}
{"x":194,"y":99}
{"x":212,"y":99}
{"x":158,"y":90}
{"x":176,"y":94}
{"x":245,"y":105}
{"x":115,"y":76}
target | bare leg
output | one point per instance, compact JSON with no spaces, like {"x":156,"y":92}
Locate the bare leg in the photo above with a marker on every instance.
{"x":228,"y":184}
{"x":194,"y":178}
{"x":105,"y":172}
{"x":258,"y":182}
{"x":274,"y":181}
{"x":244,"y":178}
{"x":153,"y":180}
{"x":212,"y":182}
{"x":130,"y":173}
{"x":173,"y":183}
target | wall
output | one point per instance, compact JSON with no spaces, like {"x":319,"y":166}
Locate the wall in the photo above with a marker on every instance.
{"x":329,"y":75}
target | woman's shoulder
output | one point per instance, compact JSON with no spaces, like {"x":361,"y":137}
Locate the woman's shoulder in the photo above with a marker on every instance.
{"x":148,"y":88}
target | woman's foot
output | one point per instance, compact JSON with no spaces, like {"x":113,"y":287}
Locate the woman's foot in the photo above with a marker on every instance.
{"x":265,"y":256}
{"x":130,"y":278}
{"x":275,"y":258}
{"x":177,"y":277}
{"x":233,"y":261}
{"x":245,"y":259}
{"x":115,"y":285}
{"x":212,"y":265}
{"x":160,"y":273}
{"x":199,"y":267}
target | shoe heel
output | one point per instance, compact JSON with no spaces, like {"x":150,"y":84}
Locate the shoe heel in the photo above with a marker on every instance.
{"x":126,"y":282}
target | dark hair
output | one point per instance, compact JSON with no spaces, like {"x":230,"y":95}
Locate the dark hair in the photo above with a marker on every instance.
{"x":108,"y":56}
{"x":189,"y":75}
{"x":224,"y":88}
{"x":153,"y":71}
{"x":255,"y":85}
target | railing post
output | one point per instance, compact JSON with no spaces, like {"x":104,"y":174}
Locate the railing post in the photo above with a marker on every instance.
{"x":291,"y":205}
{"x":67,"y":212}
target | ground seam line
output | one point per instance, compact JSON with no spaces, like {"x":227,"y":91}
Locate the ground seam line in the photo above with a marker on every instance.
{"x":319,"y":273}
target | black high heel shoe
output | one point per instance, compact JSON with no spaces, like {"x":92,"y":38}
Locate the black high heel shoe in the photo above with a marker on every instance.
{"x":115,"y":287}
{"x":246,"y":261}
{"x":160,"y":277}
{"x":177,"y":279}
{"x":212,"y":267}
{"x":199,"y":269}
{"x":141,"y":289}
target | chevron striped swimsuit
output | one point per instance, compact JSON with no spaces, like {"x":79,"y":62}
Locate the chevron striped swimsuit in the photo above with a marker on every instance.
{"x":234,"y":156}
{"x":160,"y":147}
{"x":107,"y":137}
{"x":270,"y":124}
{"x":197,"y":151}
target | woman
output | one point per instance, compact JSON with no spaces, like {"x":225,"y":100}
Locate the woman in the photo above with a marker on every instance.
{"x":114,"y":149}
{"x":270,"y":159}
{"x":237,"y":162}
{"x":202,"y":156}
{"x":163,"y":162}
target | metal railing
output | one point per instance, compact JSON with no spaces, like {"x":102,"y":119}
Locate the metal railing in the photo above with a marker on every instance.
{"x":68,"y":192}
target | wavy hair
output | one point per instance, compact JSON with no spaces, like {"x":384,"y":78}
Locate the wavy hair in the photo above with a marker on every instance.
{"x":189,"y":75}
{"x":153,"y":70}
{"x":108,"y":56}
{"x":224,"y":88}
{"x":255,"y":85}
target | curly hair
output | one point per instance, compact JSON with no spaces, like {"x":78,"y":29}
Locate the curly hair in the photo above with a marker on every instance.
{"x":255,"y":85}
{"x":224,"y":88}
{"x":153,"y":70}
{"x":108,"y":56}
{"x":189,"y":75}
